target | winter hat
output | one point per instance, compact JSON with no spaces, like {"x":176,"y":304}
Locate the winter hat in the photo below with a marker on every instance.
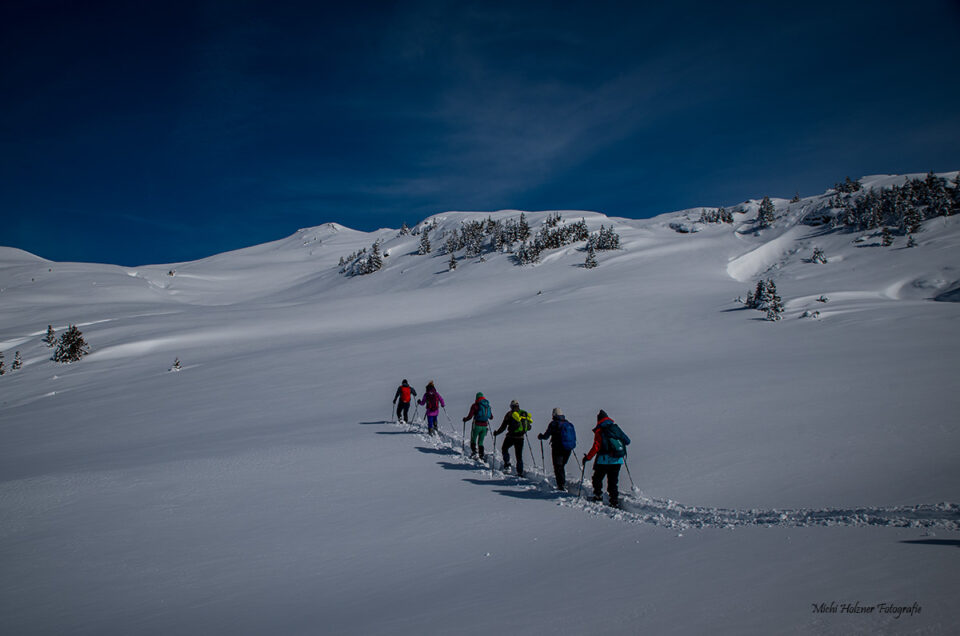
{"x":514,"y":404}
{"x":602,"y":415}
{"x":404,"y":383}
{"x":479,"y":395}
{"x":430,"y":384}
{"x":557,"y":412}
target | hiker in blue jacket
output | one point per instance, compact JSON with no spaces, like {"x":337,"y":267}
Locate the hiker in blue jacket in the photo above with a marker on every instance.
{"x":563,"y":439}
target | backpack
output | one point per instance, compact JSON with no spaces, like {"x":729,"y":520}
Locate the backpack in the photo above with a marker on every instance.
{"x":522,"y":421}
{"x":484,"y":414}
{"x":614,"y":441}
{"x":404,"y":394}
{"x":568,"y":435}
{"x":432,"y":401}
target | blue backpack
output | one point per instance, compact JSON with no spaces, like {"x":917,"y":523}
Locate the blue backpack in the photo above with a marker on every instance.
{"x":568,"y":435}
{"x":484,"y":414}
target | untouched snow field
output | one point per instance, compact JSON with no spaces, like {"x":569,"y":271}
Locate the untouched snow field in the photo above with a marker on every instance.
{"x":791,"y":477}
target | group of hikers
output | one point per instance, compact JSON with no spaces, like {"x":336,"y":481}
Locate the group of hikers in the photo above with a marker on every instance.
{"x":609,"y":441}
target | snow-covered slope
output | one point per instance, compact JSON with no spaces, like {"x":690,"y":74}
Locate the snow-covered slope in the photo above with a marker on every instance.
{"x":778,"y":465}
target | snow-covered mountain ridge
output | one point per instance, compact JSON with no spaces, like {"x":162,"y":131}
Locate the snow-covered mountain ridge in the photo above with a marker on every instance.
{"x":262,"y":486}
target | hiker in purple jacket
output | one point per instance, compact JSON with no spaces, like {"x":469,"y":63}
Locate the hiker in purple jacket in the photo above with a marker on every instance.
{"x":433,"y":402}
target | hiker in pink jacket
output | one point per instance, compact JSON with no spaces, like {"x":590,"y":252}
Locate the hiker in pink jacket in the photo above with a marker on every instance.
{"x":432,"y":401}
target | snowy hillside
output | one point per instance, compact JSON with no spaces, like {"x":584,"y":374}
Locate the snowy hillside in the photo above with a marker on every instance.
{"x":263,"y":487}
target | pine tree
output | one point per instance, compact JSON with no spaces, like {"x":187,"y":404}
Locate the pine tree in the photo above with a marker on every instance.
{"x":51,"y":337}
{"x":17,"y":362}
{"x":761,"y":296}
{"x":886,"y":238}
{"x":911,"y":242}
{"x":375,"y":260}
{"x":912,"y":219}
{"x":71,"y":346}
{"x":775,"y":303}
{"x":404,"y":230}
{"x":955,"y":208}
{"x":176,"y":365}
{"x":796,"y":198}
{"x":3,"y":369}
{"x":452,"y":263}
{"x":523,"y":229}
{"x":765,"y":216}
{"x":424,"y":242}
{"x":818,"y":256}
{"x":591,"y":261}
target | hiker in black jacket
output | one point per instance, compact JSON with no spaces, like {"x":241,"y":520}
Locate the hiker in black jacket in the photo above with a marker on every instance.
{"x":516,"y":422}
{"x":563,"y":439}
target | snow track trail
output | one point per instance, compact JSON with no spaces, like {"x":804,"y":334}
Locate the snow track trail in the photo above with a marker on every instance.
{"x":638,"y":508}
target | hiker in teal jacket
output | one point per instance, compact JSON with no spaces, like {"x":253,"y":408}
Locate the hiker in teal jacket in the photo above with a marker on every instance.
{"x":609,"y":447}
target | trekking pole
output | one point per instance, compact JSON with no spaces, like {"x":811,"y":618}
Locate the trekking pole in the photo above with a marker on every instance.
{"x":576,"y":459}
{"x":493,"y":454}
{"x":530,"y":446}
{"x":415,"y":411}
{"x":583,"y":469}
{"x":542,"y":460}
{"x":391,"y":414}
{"x":447,"y":415}
{"x":463,"y":439}
{"x":628,"y":473}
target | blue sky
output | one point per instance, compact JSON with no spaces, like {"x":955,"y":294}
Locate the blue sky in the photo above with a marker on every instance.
{"x":157,"y":132}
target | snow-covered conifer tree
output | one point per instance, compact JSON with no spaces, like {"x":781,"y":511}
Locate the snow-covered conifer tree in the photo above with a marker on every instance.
{"x":3,"y":369}
{"x":51,"y":337}
{"x":775,"y":303}
{"x":71,"y":346}
{"x":404,"y":230}
{"x":765,"y":215}
{"x":818,"y":256}
{"x":886,"y":237}
{"x":375,"y":260}
{"x":424,"y":242}
{"x":452,"y":263}
{"x":17,"y":362}
{"x":591,"y":261}
{"x":523,"y":228}
{"x":911,"y":242}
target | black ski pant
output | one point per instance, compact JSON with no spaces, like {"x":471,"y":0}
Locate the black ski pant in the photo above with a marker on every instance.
{"x":612,"y":473}
{"x":403,"y":411}
{"x":517,"y":444}
{"x":561,"y":456}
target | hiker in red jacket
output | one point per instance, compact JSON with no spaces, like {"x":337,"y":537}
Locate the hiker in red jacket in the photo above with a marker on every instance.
{"x":404,"y":393}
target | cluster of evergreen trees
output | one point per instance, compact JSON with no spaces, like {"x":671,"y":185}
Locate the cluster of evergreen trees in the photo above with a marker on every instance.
{"x":70,"y":347}
{"x":478,"y":237}
{"x":903,"y":208}
{"x":765,"y":298}
{"x":553,"y":235}
{"x":16,"y":366}
{"x":720,"y":215}
{"x":362,"y":261}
